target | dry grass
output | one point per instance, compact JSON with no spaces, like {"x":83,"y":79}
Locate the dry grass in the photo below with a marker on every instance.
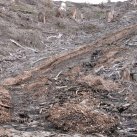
{"x":16,"y":80}
{"x":99,"y":82}
{"x":88,"y":27}
{"x":22,"y":7}
{"x":79,"y":118}
{"x":47,"y":3}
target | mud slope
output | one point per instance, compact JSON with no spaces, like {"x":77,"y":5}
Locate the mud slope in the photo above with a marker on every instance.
{"x":90,"y":91}
{"x":53,"y":62}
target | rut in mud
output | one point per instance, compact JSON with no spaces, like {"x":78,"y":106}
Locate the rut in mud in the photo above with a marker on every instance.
{"x":90,"y":90}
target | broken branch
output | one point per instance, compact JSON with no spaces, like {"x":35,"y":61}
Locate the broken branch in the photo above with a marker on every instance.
{"x":19,"y":45}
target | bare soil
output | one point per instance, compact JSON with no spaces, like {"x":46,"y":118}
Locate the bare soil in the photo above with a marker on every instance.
{"x":68,"y":78}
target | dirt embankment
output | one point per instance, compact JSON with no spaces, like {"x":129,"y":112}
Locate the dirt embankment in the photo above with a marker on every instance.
{"x":78,"y":97}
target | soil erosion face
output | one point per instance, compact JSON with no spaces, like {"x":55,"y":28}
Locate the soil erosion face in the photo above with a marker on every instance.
{"x":87,"y":91}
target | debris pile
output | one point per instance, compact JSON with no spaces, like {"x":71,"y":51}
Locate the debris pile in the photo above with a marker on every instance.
{"x":89,"y":88}
{"x":99,"y":82}
{"x":79,"y":118}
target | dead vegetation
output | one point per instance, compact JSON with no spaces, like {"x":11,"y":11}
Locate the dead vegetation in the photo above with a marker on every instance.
{"x":23,"y":8}
{"x":13,"y":81}
{"x":79,"y":118}
{"x":75,"y":98}
{"x":89,"y":89}
{"x":99,"y":82}
{"x":111,"y":16}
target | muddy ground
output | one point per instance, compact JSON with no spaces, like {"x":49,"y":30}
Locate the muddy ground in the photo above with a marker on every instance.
{"x":67,"y":77}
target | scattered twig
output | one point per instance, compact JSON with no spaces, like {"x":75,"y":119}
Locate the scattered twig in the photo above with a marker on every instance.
{"x":97,"y":70}
{"x":77,"y":91}
{"x":129,"y":115}
{"x":58,"y":37}
{"x":109,"y":96}
{"x":60,"y":87}
{"x":19,"y":45}
{"x":41,"y":104}
{"x":56,"y":78}
{"x":16,"y":43}
{"x":38,"y":60}
{"x":34,"y":50}
{"x":122,"y":90}
{"x":100,"y":135}
{"x":40,"y":110}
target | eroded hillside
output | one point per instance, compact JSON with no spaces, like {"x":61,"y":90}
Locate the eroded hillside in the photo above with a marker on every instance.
{"x":62,"y":76}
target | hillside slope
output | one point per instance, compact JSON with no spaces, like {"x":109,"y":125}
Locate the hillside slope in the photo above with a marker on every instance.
{"x":67,"y":77}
